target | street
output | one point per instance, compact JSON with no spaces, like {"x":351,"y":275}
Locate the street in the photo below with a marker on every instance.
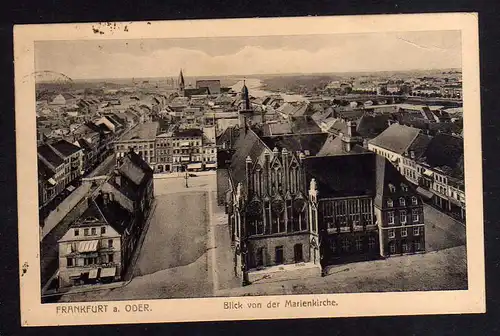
{"x":176,"y":258}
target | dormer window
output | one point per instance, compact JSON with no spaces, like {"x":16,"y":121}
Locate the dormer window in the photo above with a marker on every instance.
{"x":392,"y":188}
{"x":77,"y":232}
{"x":390,"y":203}
{"x":404,"y":187}
{"x":402,"y":201}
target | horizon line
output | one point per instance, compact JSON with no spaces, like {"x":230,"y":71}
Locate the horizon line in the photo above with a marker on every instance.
{"x":258,"y":74}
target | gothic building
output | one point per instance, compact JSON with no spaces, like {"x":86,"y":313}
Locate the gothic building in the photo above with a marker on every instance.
{"x":297,"y":203}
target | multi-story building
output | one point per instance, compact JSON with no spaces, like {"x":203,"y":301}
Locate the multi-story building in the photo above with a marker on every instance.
{"x":142,"y":140}
{"x":99,"y":244}
{"x":434,"y":164}
{"x":59,"y":165}
{"x":164,"y":152}
{"x":187,"y":149}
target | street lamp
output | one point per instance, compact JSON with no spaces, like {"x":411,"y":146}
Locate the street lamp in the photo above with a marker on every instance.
{"x":186,"y":175}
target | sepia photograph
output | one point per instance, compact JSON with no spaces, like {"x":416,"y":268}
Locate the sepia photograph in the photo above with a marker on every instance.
{"x":307,"y":169}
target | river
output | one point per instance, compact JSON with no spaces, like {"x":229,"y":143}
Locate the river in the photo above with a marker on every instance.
{"x":254,"y":86}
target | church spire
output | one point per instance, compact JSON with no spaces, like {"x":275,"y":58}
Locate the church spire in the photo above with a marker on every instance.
{"x":180,"y":83}
{"x":245,"y":97}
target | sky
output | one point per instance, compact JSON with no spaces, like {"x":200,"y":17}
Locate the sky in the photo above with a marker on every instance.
{"x":92,"y":59}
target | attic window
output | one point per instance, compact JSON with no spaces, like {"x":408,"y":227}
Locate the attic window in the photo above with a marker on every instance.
{"x":392,"y":188}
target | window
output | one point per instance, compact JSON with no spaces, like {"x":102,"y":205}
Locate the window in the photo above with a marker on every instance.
{"x":69,"y":262}
{"x":77,"y":232}
{"x":371,"y":243}
{"x":404,"y":187}
{"x":404,"y":232}
{"x":391,"y":233}
{"x":402,"y":201}
{"x":402,"y":217}
{"x":278,"y":255}
{"x":110,"y":243}
{"x":414,"y":200}
{"x":392,"y":188}
{"x":86,"y":232}
{"x":416,"y":231}
{"x":297,"y":252}
{"x":392,"y":248}
{"x":110,"y":258}
{"x":417,"y":245}
{"x":359,"y":243}
{"x":390,"y":217}
{"x":346,"y":244}
{"x":390,"y":203}
{"x":93,"y":231}
{"x":414,"y":215}
{"x":103,"y":230}
{"x":404,"y":247}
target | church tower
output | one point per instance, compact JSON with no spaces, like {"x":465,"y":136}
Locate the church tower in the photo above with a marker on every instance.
{"x":245,"y":108}
{"x":180,"y":84}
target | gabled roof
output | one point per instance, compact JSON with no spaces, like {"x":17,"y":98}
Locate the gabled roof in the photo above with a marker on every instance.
{"x":135,"y":168}
{"x":342,"y":175}
{"x":44,"y":171}
{"x":396,"y":138}
{"x":304,"y":124}
{"x":248,"y":144}
{"x":66,"y":148}
{"x":446,"y":152}
{"x":387,"y":174}
{"x":277,"y":129}
{"x":419,"y":145}
{"x":47,"y":153}
{"x":297,"y":142}
{"x":333,"y":146}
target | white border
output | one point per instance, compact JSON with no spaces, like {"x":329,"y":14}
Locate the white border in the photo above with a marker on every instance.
{"x":33,"y":313}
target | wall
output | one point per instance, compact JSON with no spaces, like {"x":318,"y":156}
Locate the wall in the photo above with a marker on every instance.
{"x":288,"y":242}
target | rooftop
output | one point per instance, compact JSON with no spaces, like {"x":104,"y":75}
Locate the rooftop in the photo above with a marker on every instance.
{"x":396,"y":138}
{"x":147,"y":130}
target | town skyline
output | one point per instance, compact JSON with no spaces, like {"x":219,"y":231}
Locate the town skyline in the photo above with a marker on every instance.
{"x":240,"y":56}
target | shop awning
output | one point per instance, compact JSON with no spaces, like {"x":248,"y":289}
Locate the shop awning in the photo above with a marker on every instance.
{"x":93,"y":273}
{"x":108,"y":272}
{"x":427,"y":173}
{"x":185,"y":159}
{"x":194,"y":166}
{"x":211,"y":165}
{"x":424,"y":193}
{"x":88,"y":246}
{"x":70,"y":188}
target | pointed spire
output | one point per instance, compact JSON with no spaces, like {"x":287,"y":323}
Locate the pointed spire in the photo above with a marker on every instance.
{"x":181,"y":80}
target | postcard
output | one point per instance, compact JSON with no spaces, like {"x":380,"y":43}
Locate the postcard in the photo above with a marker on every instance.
{"x":277,"y":168}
